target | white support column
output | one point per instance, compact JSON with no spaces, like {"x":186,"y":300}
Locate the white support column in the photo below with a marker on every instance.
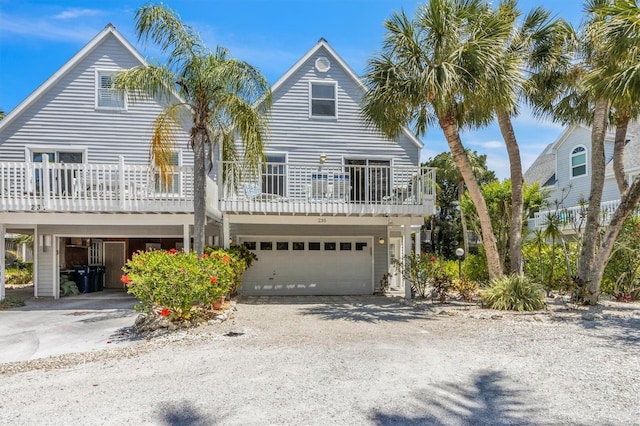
{"x":3,"y":230}
{"x":226,"y":233}
{"x":186,"y":237}
{"x":406,"y":240}
{"x":121,"y":182}
{"x":45,"y":182}
{"x":417,"y":243}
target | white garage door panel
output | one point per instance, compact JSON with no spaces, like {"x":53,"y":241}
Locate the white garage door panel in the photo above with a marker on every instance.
{"x":309,"y":272}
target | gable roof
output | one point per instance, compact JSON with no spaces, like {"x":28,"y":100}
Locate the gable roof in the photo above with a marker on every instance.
{"x":108,"y":30}
{"x":323,"y":44}
{"x":543,"y":168}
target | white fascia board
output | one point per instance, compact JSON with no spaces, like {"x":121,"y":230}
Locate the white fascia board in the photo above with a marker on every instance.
{"x":115,"y":219}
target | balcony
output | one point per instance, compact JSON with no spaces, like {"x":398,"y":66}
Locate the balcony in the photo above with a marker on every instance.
{"x":573,"y":218}
{"x":59,"y":187}
{"x":312,"y":189}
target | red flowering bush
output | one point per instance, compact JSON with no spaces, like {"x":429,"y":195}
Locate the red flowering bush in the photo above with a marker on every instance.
{"x":176,"y":284}
{"x":238,"y":258}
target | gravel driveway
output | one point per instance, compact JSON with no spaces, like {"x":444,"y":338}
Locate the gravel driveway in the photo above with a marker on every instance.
{"x":349,"y":361}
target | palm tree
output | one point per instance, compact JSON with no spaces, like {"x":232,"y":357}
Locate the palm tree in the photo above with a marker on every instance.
{"x":439,"y":67}
{"x":219,"y":93}
{"x":538,"y":47}
{"x":615,"y":79}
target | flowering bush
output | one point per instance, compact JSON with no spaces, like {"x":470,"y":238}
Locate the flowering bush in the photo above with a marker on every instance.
{"x":176,"y":284}
{"x":425,"y":272}
{"x":239,"y":258}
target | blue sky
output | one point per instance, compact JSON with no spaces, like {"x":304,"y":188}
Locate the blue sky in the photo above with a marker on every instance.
{"x":38,"y":37}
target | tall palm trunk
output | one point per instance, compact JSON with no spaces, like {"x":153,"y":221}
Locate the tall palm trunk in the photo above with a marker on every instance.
{"x":590,"y":237}
{"x":618,"y":152}
{"x":517,"y":194}
{"x":628,"y":203}
{"x":200,"y":137}
{"x":449,"y":127}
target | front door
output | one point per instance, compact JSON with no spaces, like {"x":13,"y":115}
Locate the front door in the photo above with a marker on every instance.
{"x":114,"y":259}
{"x":395,"y":244}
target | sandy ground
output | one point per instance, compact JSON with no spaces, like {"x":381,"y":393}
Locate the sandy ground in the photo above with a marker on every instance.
{"x":348,"y":361}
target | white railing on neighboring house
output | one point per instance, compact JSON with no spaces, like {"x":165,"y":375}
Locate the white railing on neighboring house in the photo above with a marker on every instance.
{"x":333,"y":189}
{"x":574,"y":218}
{"x":60,"y":187}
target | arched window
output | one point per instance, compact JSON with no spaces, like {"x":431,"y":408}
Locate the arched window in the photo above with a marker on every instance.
{"x":578,"y":161}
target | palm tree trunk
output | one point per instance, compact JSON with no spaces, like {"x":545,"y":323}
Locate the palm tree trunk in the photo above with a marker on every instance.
{"x":618,"y":153}
{"x":590,"y":237}
{"x":449,"y":127}
{"x":517,"y":195}
{"x":199,"y":190}
{"x":628,"y":203}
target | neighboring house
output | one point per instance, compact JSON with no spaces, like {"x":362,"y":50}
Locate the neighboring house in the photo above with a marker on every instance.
{"x":74,"y":171}
{"x":337,"y":200}
{"x":564,"y":170}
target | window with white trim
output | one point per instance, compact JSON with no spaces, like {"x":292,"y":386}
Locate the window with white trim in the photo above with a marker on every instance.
{"x":578,"y":161}
{"x":274,"y":175}
{"x":106,"y":94}
{"x":323,"y":100}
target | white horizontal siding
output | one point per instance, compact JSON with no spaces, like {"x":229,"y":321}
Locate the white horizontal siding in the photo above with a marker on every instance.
{"x":66,"y":115}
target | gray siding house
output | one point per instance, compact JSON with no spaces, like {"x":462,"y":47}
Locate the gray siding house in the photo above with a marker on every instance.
{"x":334,"y":202}
{"x":74,"y":171}
{"x":564,"y":170}
{"x":336,"y":199}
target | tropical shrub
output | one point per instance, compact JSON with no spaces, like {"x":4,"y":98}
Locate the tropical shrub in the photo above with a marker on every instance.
{"x":621,"y":277}
{"x":241,"y":258}
{"x":514,"y":293}
{"x":176,"y":284}
{"x":466,"y":289}
{"x":426,"y":274}
{"x":19,"y":275}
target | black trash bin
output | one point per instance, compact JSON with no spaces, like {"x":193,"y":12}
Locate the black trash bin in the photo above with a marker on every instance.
{"x":81,"y":274}
{"x":100,"y":277}
{"x":93,"y":275}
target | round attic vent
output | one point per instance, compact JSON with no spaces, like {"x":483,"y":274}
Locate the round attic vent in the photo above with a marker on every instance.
{"x":323,"y":64}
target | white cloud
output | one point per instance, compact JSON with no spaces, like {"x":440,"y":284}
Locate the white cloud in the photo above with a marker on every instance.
{"x":493,"y":144}
{"x":76,"y":13}
{"x":45,"y":30}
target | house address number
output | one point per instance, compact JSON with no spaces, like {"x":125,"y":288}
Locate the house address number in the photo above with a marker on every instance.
{"x":322,"y":220}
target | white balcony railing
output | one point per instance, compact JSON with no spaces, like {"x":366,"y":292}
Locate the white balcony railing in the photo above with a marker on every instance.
{"x":290,"y":188}
{"x":59,"y":187}
{"x":573,"y":218}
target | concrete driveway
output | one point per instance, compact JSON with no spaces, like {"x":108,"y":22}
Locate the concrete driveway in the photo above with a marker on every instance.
{"x":49,"y":327}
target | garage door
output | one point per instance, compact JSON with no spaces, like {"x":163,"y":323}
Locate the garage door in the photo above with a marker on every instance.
{"x":309,"y":266}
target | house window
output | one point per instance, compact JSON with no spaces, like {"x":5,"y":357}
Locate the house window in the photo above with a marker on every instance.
{"x":106,"y":94}
{"x":323,"y":100}
{"x":171,"y":183}
{"x":578,"y":161}
{"x":60,"y":180}
{"x":274,"y":175}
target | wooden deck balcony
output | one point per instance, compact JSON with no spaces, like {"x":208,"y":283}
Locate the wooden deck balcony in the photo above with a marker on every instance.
{"x":59,"y":187}
{"x":312,"y":189}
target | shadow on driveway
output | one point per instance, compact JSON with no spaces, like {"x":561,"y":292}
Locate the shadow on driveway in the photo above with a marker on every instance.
{"x":369,"y":309}
{"x":492,"y":399}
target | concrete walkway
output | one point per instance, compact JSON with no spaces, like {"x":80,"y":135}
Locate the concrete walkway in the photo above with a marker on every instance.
{"x":46,"y":327}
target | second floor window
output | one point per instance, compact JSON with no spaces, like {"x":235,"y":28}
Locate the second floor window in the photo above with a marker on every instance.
{"x":578,"y":161}
{"x":107,"y":96}
{"x":323,"y":100}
